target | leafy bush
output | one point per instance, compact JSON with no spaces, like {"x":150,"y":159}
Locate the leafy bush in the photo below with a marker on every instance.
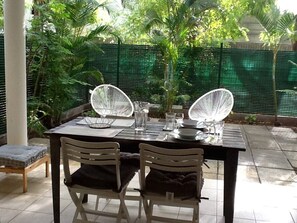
{"x":251,"y":119}
{"x":59,"y":40}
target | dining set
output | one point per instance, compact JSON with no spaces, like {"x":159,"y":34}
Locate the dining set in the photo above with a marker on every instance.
{"x":122,"y":141}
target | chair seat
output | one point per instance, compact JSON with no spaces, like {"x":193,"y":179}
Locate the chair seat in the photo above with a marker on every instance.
{"x":131,"y":159}
{"x":23,"y":159}
{"x":103,"y":177}
{"x":20,"y":156}
{"x":181,"y":184}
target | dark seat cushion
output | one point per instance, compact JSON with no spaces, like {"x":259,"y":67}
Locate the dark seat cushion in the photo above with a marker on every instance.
{"x":181,"y":184}
{"x":20,"y":156}
{"x":132,"y":159}
{"x":104,"y":177}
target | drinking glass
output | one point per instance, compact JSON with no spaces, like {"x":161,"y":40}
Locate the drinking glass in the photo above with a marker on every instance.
{"x":209,"y":124}
{"x":141,"y":110}
{"x":179,"y":117}
{"x":140,"y":121}
{"x":170,"y":121}
{"x":219,"y":127}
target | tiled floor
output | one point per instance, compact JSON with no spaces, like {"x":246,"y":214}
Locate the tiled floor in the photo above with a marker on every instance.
{"x":266,"y":188}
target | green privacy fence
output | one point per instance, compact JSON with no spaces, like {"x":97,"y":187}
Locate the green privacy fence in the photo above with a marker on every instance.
{"x":246,"y":73}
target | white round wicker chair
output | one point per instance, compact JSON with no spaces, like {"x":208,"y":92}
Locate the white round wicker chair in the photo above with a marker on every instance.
{"x":215,"y":105}
{"x":108,"y":100}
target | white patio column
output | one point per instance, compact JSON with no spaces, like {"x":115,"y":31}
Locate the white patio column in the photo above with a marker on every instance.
{"x":15,"y":71}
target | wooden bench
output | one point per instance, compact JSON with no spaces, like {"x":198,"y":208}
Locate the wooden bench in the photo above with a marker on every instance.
{"x":23,"y":159}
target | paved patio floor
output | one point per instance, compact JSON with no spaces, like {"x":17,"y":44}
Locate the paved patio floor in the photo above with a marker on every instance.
{"x":266,"y":188}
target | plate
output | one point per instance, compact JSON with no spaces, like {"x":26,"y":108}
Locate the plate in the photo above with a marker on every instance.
{"x":199,"y":137}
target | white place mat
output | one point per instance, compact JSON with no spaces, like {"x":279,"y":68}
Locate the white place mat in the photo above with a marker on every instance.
{"x":86,"y":131}
{"x":117,"y":122}
{"x":123,"y":122}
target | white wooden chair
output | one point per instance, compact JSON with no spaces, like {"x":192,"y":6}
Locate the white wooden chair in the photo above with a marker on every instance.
{"x":214,"y":105}
{"x":101,"y":174}
{"x":175,"y":179}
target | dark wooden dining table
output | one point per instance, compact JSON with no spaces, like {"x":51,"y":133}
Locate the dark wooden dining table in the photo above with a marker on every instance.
{"x":226,"y":150}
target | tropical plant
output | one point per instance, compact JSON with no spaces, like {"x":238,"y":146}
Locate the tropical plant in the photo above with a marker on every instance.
{"x":276,"y":28}
{"x":59,"y":40}
{"x":251,"y":119}
{"x":221,"y":25}
{"x":172,"y":25}
{"x":294,"y":35}
{"x":169,"y":24}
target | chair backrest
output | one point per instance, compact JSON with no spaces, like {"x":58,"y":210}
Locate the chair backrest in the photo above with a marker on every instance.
{"x":91,"y":153}
{"x":107,"y":99}
{"x":215,"y":105}
{"x":170,"y":160}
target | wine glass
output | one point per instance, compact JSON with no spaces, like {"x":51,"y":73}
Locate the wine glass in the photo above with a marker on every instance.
{"x":179,"y":117}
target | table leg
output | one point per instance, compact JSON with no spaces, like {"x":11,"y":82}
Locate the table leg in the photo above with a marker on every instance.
{"x":230,"y":171}
{"x":55,"y":171}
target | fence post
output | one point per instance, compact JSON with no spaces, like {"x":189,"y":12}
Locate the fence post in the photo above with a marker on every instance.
{"x":220,"y":65}
{"x":118,"y":62}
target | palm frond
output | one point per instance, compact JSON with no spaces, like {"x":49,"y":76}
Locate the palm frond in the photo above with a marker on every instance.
{"x":286,"y":21}
{"x":152,"y":18}
{"x":295,"y":64}
{"x":275,"y":24}
{"x":266,"y":21}
{"x":104,"y":29}
{"x":200,"y":6}
{"x":195,"y":11}
{"x":81,"y":11}
{"x":288,"y":91}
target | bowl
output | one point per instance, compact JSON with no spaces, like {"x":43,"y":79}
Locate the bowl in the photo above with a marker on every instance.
{"x":188,"y":133}
{"x":192,"y":124}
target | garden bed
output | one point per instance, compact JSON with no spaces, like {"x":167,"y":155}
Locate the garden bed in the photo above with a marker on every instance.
{"x":238,"y":118}
{"x":259,"y":119}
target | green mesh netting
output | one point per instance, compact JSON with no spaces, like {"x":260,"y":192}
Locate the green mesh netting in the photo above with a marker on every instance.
{"x":246,"y":73}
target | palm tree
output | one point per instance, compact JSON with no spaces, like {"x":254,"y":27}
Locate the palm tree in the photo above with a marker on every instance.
{"x":170,"y":25}
{"x":59,"y":40}
{"x":276,"y":28}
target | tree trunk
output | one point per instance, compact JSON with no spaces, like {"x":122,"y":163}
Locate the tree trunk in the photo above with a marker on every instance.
{"x":276,"y":123}
{"x":294,"y":46}
{"x":274,"y":86}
